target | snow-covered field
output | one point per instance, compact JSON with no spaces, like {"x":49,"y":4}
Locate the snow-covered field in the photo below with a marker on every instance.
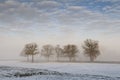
{"x":16,"y":70}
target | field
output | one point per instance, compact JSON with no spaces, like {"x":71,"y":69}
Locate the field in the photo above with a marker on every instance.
{"x":16,"y":70}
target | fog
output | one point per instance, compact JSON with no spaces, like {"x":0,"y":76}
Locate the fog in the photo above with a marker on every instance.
{"x":11,"y":47}
{"x":59,"y":22}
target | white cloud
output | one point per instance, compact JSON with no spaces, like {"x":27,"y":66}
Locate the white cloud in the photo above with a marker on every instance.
{"x":77,"y":15}
{"x":107,"y":0}
{"x":18,"y":16}
{"x":75,"y":8}
{"x":105,"y":25}
{"x":48,"y":4}
{"x":113,"y":10}
{"x":111,"y":7}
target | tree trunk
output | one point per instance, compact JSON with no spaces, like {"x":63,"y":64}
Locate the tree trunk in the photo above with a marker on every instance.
{"x":27,"y":58}
{"x":70,"y":59}
{"x":91,"y":59}
{"x":57,"y":58}
{"x":74,"y":59}
{"x":48,"y":59}
{"x":32,"y":58}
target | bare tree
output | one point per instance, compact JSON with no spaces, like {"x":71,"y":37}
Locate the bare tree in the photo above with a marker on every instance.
{"x":47,"y":51}
{"x":25,"y":54}
{"x":91,"y":49}
{"x":30,"y":49}
{"x":58,"y":51}
{"x":70,"y":51}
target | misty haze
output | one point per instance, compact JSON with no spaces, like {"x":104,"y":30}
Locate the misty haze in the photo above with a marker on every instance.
{"x":59,"y":39}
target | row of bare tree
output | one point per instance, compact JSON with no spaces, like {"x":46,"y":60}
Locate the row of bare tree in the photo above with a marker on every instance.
{"x":90,"y":47}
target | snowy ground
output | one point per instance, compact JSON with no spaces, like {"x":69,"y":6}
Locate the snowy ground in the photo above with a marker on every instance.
{"x":14,"y":70}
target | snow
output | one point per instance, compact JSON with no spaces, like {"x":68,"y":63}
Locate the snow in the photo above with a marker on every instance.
{"x":80,"y":71}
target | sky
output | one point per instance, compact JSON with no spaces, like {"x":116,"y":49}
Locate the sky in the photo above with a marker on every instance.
{"x":59,"y":22}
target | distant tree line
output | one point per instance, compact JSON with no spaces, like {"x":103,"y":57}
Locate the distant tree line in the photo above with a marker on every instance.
{"x":90,"y":49}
